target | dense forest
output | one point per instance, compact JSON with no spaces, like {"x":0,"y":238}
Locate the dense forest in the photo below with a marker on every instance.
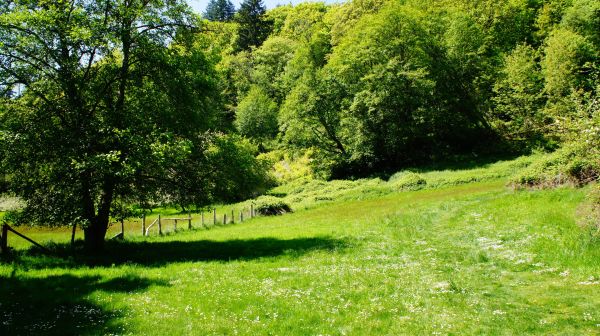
{"x":372,"y":86}
{"x":109,"y":104}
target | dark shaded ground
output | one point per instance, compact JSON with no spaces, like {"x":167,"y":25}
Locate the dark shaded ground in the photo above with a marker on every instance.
{"x":159,"y":253}
{"x":57,"y":304}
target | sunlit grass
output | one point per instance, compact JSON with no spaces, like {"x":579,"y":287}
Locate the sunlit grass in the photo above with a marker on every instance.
{"x":472,"y":258}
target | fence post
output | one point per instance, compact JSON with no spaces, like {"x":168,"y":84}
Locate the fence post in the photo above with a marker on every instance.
{"x":214,"y":216}
{"x":202,"y":215}
{"x":122,"y":228}
{"x":241,"y":216}
{"x":175,"y":225}
{"x":159,"y":226}
{"x":232,"y":217}
{"x":143,"y":224}
{"x":189,"y":220}
{"x":4,"y":239}
{"x":73,"y":234}
{"x":251,"y":210}
{"x":224,"y":218}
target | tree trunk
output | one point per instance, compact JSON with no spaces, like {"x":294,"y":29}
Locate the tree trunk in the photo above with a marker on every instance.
{"x":73,"y":234}
{"x":95,"y":232}
{"x":94,"y":235}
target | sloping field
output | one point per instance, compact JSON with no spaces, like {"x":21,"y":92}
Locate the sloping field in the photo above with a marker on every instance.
{"x":470,"y":259}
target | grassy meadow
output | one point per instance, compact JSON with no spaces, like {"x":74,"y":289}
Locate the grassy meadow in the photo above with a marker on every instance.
{"x":459,"y":254}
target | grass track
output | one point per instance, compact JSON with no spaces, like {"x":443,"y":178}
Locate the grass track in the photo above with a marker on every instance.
{"x":470,"y":259}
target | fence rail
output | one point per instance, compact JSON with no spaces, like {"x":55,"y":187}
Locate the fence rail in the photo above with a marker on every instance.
{"x":158,"y":222}
{"x":4,"y":239}
{"x":196,"y":221}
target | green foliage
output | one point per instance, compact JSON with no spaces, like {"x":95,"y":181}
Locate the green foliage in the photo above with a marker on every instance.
{"x":574,"y":164}
{"x":583,"y":17}
{"x":236,"y":172}
{"x":399,"y":89}
{"x":519,"y":97}
{"x":364,"y":84}
{"x":345,"y":16}
{"x":309,"y":118}
{"x":268,"y":66}
{"x":567,"y":55}
{"x":109,"y":120}
{"x":256,"y":116}
{"x":287,"y":168}
{"x":219,"y":10}
{"x":99,"y":109}
{"x":578,"y":161}
{"x":303,"y":20}
{"x":254,"y":28}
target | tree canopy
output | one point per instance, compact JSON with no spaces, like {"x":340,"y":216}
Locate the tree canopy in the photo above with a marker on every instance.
{"x":118,"y":104}
{"x":372,"y":86}
{"x":219,"y":10}
{"x":253,"y":26}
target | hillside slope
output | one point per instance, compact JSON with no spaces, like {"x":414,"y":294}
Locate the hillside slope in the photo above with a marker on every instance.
{"x":475,"y":258}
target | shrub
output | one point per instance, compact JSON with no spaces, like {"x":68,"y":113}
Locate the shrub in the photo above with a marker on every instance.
{"x":407,"y":181}
{"x":271,"y":206}
{"x":574,"y":164}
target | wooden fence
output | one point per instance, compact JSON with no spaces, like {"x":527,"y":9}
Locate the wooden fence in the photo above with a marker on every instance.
{"x":160,"y":223}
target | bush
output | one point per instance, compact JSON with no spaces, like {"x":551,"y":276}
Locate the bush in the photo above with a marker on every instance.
{"x":271,"y":206}
{"x":407,"y":180}
{"x":574,"y":164}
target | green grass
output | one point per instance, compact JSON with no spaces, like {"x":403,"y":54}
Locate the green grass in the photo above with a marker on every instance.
{"x":459,"y":258}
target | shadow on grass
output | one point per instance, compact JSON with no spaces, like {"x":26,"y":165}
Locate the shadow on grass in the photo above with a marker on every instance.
{"x":58,"y":304}
{"x":160,"y":253}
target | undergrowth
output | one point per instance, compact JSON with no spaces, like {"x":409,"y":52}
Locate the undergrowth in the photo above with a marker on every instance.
{"x":308,"y":192}
{"x":574,"y":164}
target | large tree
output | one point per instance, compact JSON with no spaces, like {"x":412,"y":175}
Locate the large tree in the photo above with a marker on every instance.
{"x":254,"y":28}
{"x":219,"y":10}
{"x":108,"y":107}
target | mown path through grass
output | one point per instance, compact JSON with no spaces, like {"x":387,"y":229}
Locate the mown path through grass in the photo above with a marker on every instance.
{"x":472,"y":259}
